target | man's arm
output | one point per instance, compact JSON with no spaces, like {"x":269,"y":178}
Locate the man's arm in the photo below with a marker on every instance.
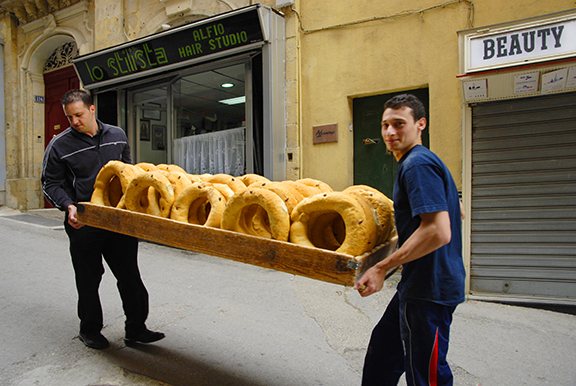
{"x":53,"y":179}
{"x":434,"y":232}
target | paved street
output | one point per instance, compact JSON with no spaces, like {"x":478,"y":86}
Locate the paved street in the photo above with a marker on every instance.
{"x":228,"y":323}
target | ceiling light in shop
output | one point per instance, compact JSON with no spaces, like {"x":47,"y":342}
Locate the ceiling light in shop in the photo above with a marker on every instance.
{"x":227,"y":85}
{"x":234,"y":101}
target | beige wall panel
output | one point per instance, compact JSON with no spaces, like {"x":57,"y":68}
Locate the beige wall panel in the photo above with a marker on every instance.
{"x":346,"y":53}
{"x":373,"y":58}
{"x":489,"y":12}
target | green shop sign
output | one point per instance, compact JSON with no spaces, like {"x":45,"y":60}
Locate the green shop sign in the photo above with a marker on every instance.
{"x":186,"y":43}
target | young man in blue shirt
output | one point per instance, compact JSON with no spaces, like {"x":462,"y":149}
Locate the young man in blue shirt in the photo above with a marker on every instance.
{"x":413,"y":335}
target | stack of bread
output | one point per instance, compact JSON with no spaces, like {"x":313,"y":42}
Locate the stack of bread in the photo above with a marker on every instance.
{"x":305,"y":212}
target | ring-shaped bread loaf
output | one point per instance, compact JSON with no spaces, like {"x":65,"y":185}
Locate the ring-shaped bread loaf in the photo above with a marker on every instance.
{"x":224,"y":190}
{"x":243,"y":205}
{"x":250,"y":178}
{"x":304,"y":190}
{"x":179,"y":182}
{"x":160,"y":206}
{"x":360,"y":225}
{"x":383,"y":206}
{"x":146,"y":166}
{"x":171,"y":168}
{"x":324,"y":187}
{"x":111,"y":183}
{"x":194,"y":178}
{"x":201,"y":204}
{"x":297,"y":195}
{"x":204,"y":177}
{"x":283,"y":191}
{"x":234,"y":183}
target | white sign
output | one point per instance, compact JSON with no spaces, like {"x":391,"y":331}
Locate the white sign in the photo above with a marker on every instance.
{"x":536,"y":43}
{"x":526,"y":83}
{"x":554,"y":81}
{"x":475,"y":89}
{"x":571,"y":81}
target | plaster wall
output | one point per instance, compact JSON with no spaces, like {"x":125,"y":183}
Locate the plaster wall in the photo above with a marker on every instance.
{"x":366,"y":49}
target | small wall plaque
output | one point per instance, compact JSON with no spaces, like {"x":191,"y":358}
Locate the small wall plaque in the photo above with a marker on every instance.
{"x":554,"y":81}
{"x":476,"y":89}
{"x":524,"y":83}
{"x":38,"y":99}
{"x":325,"y":133}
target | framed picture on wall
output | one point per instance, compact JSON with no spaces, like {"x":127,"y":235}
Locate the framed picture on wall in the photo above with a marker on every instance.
{"x":144,"y":130}
{"x":151,"y":114}
{"x":158,"y":137}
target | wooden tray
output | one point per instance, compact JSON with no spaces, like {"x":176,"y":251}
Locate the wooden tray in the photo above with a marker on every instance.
{"x":282,"y":256}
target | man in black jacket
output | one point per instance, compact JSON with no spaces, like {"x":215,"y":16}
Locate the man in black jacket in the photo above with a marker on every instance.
{"x":71,"y":163}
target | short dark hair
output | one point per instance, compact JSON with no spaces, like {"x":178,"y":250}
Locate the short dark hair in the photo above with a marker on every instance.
{"x":77,"y":95}
{"x":407,"y":100}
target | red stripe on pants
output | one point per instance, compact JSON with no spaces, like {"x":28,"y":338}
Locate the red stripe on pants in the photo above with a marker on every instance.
{"x":434,"y":363}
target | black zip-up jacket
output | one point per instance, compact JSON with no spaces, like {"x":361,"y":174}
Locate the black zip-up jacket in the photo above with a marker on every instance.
{"x":72,"y":161}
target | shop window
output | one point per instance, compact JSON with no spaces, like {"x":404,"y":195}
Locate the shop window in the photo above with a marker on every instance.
{"x":207,"y":121}
{"x":210,"y":101}
{"x":210,"y":121}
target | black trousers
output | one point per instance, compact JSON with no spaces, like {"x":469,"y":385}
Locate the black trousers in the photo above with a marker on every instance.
{"x":88,"y":246}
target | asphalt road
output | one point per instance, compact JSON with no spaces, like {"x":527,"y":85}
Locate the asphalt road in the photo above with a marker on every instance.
{"x":229,"y":323}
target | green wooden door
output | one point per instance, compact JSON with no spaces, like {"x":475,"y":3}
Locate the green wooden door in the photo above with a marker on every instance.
{"x":374,"y":165}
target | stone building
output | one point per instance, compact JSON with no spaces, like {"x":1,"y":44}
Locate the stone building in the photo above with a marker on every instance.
{"x":306,"y":84}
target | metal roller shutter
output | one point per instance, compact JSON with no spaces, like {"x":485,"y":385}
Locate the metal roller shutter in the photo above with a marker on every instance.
{"x":523,"y":220}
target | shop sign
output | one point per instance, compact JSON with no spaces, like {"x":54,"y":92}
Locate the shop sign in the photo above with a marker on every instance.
{"x":503,"y":47}
{"x":169,"y":48}
{"x":325,"y":133}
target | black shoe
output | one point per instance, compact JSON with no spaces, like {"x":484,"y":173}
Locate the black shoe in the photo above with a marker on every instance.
{"x":144,"y":336}
{"x":97,"y":341}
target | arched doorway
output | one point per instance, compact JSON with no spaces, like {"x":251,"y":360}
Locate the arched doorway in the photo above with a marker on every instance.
{"x":59,"y":77}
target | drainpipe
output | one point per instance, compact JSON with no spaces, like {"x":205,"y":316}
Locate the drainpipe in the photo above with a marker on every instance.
{"x":2,"y":129}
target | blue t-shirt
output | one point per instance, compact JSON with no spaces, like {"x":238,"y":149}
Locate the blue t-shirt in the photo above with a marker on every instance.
{"x":424,"y":185}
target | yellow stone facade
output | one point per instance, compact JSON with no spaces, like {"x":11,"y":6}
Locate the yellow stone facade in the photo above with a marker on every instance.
{"x":335,"y":51}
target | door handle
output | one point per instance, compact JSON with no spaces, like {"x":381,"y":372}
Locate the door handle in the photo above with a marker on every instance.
{"x":370,"y":141}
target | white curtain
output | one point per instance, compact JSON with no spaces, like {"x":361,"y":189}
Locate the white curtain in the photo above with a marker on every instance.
{"x":217,"y":152}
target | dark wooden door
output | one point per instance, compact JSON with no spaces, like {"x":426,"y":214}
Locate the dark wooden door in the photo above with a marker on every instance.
{"x":56,"y":84}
